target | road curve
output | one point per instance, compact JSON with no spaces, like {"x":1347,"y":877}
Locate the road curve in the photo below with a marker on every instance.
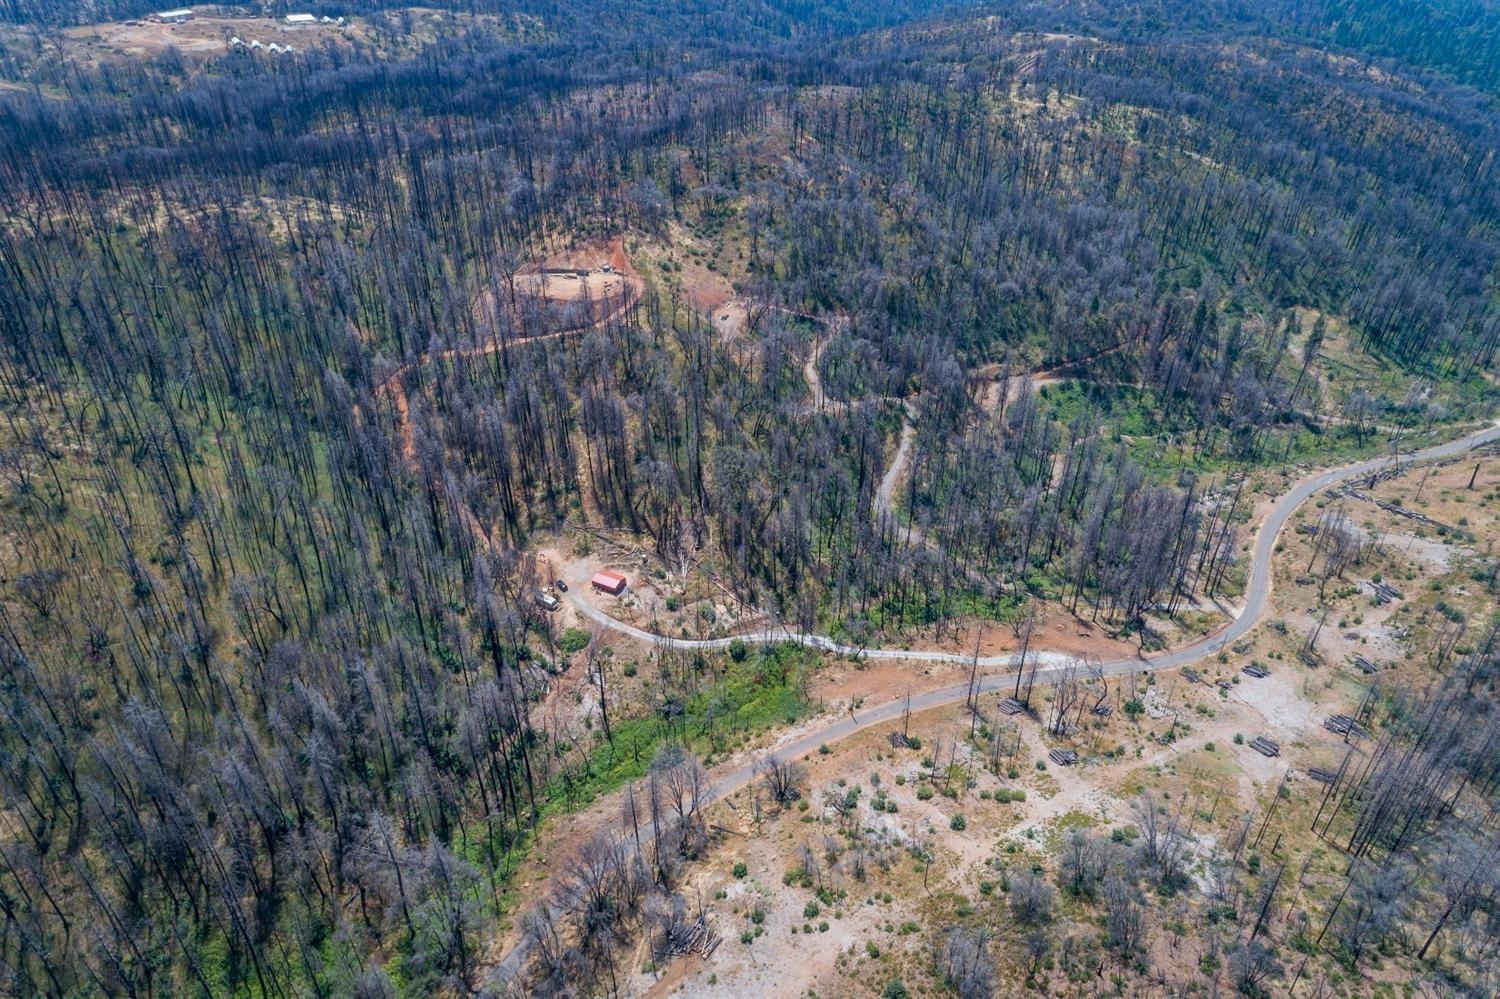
{"x":1257,"y":593}
{"x":1050,"y":664}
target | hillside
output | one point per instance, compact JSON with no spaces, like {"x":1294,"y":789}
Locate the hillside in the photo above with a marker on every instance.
{"x":966,"y":396}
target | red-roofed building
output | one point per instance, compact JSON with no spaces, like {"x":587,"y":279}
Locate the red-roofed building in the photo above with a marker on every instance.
{"x":606,"y":581}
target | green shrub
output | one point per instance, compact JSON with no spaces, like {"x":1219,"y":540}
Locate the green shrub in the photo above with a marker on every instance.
{"x":572,"y":640}
{"x":957,"y":823}
{"x":740,"y":870}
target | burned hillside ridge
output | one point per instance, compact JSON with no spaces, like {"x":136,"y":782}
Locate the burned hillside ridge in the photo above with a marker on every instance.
{"x":914,"y":371}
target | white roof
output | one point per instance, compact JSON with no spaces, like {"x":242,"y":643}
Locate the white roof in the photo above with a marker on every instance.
{"x":300,"y":19}
{"x":179,"y":12}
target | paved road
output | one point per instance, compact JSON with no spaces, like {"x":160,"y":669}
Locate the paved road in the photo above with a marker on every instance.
{"x":1257,"y":595}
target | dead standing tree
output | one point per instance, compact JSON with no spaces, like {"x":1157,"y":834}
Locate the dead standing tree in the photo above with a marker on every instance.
{"x":782,"y":778}
{"x":1067,"y":692}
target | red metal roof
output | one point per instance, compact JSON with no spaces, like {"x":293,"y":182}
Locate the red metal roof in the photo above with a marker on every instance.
{"x":607,"y":580}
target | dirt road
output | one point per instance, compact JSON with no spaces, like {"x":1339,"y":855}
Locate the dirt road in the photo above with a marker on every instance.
{"x":1257,"y":591}
{"x":1050,"y":664}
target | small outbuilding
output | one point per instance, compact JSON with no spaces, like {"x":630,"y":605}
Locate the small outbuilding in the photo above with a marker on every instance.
{"x":175,"y":16}
{"x":609,"y":582}
{"x":301,"y":19}
{"x":546,"y":601}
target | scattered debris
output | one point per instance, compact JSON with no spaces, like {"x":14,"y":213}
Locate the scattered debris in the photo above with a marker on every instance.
{"x":1256,"y":670}
{"x":1103,"y":710}
{"x":1265,"y":746}
{"x":1383,"y":592}
{"x":1192,"y":675}
{"x":1063,"y":757}
{"x":1365,"y":665}
{"x":898,"y":740}
{"x":1011,"y":706}
{"x":1309,"y":658}
{"x":688,"y":938}
{"x":1322,"y":776}
{"x":1390,"y":507}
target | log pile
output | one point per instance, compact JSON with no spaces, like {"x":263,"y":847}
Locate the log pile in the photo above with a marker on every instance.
{"x":696,"y":937}
{"x":1394,"y":508}
{"x":1265,"y":746}
{"x":1343,"y":725}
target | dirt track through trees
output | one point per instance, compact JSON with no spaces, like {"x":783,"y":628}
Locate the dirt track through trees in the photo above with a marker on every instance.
{"x":1046,"y":665}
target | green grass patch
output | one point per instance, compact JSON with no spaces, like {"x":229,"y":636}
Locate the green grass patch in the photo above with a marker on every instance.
{"x":765,"y":690}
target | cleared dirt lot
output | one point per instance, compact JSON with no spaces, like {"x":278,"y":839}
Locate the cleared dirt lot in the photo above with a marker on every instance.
{"x":206,"y":35}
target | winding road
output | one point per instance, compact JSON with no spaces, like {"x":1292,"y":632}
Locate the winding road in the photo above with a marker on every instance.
{"x":1257,"y":596}
{"x":1257,"y":592}
{"x":1049,"y":665}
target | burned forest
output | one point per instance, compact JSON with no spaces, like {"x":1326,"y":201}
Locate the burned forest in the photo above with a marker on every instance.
{"x":786,"y":498}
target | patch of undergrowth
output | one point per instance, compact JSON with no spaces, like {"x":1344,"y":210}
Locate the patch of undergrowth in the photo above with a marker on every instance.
{"x":737,"y":698}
